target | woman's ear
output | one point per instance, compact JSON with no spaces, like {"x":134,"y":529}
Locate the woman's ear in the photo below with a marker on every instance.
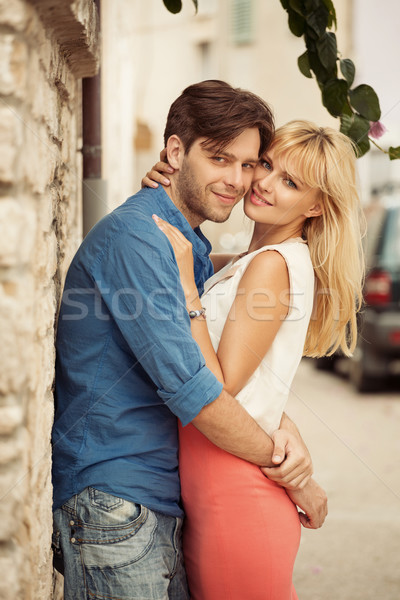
{"x":175,"y":151}
{"x":314,"y":211}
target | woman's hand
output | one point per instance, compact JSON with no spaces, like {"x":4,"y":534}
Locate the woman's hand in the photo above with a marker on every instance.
{"x":313,"y":503}
{"x":183,"y":254}
{"x":157,"y":173}
{"x":294,"y":465}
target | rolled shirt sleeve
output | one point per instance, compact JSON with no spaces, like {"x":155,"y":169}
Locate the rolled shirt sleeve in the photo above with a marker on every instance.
{"x":138,"y":279}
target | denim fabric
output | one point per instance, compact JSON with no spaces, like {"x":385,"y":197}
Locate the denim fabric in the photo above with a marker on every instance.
{"x":112,"y":549}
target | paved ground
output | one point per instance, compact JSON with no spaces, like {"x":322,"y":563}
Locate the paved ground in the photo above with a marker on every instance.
{"x":355,"y":444}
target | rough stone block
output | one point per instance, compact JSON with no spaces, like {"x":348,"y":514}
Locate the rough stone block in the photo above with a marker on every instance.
{"x":13,"y":483}
{"x":12,"y":448}
{"x":75,"y":25}
{"x":45,"y":312}
{"x":45,"y":213}
{"x":17,"y":330}
{"x":40,"y":166}
{"x":46,"y":257}
{"x":17,"y":232}
{"x":11,"y":559}
{"x":11,"y":417}
{"x":13,"y":65}
{"x":14,"y":14}
{"x":10,"y":142}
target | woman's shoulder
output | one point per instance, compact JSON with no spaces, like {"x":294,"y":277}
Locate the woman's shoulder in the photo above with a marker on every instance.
{"x":265,"y":268}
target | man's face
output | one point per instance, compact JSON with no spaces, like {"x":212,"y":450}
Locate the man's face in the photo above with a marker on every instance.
{"x":210,"y":183}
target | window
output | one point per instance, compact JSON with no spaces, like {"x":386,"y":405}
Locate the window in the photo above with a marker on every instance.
{"x":242,"y":21}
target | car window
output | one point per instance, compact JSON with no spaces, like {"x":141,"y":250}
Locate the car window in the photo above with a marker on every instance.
{"x":390,"y":249}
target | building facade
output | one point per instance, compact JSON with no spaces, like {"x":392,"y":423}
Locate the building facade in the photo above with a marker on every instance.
{"x":46,"y":47}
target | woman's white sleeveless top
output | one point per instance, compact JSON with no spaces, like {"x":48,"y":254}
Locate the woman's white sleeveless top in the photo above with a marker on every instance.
{"x":265,"y":394}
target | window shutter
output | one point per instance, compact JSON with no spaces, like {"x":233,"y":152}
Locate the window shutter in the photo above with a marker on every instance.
{"x":242,"y":21}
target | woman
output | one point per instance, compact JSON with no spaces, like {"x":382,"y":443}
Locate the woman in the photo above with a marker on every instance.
{"x":294,"y":292}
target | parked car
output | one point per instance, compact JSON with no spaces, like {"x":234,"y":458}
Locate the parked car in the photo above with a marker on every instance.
{"x":377,"y":355}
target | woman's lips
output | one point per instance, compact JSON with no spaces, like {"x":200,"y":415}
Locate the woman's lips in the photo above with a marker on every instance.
{"x":258,"y":200}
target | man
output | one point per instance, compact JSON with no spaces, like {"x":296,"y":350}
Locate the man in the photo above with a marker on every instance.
{"x":127,"y":365}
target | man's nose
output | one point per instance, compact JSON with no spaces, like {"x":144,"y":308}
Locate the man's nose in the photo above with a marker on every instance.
{"x":234,"y":177}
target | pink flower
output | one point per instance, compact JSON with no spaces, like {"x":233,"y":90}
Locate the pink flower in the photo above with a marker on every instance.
{"x":377,"y":129}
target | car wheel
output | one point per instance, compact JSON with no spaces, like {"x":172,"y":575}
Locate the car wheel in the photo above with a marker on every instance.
{"x":325,"y":363}
{"x":362,"y":380}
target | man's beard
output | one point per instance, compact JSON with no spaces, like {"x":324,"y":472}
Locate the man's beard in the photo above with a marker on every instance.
{"x":193,"y":200}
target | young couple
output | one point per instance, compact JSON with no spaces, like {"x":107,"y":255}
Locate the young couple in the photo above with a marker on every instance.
{"x":147,"y":333}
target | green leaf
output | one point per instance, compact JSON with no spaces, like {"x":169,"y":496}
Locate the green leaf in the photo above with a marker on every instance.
{"x":332,"y":13}
{"x":364,"y":99}
{"x":196,"y":5}
{"x":296,"y":23}
{"x":363,"y":147}
{"x":358,"y":132}
{"x":327,"y":50}
{"x":311,"y":5}
{"x":345,"y":123}
{"x":285,"y":4}
{"x":347,"y":110}
{"x":304,"y":65}
{"x":394,"y":153}
{"x":334,"y":96}
{"x":174,"y":6}
{"x":297,"y":6}
{"x":318,"y":20}
{"x":321,"y":73}
{"x":348,"y":70}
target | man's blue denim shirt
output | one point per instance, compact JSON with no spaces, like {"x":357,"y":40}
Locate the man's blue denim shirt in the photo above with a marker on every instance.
{"x":127,"y":364}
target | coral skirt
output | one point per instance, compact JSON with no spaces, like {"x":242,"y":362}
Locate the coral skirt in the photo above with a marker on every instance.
{"x":241,"y":532}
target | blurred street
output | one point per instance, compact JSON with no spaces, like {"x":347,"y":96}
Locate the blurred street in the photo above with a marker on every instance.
{"x":355,"y":444}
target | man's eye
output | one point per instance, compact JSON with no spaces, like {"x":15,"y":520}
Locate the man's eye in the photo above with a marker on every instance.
{"x":249,"y":166}
{"x":219,"y":159}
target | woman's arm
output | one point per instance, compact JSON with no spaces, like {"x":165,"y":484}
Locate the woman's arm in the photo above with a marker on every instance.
{"x":255,"y":317}
{"x":295,"y":465}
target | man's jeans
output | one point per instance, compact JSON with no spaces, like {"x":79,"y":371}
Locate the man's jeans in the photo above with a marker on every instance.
{"x":110,"y":548}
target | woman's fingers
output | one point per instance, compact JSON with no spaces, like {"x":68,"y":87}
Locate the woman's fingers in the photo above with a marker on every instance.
{"x":157,"y":175}
{"x":180,"y":244}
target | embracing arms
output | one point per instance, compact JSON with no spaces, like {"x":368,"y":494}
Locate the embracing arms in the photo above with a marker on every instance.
{"x":248,"y":333}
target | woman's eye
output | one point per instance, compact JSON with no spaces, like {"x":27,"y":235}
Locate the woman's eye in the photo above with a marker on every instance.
{"x":266,"y":165}
{"x":291,"y":184}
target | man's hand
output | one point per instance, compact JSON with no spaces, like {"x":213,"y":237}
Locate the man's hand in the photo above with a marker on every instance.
{"x":313,"y":501}
{"x":291,"y":454}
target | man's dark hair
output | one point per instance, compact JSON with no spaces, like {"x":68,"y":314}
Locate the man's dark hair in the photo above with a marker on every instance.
{"x":220,"y":113}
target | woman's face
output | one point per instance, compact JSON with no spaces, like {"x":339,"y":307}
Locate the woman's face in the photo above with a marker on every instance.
{"x":275,"y":198}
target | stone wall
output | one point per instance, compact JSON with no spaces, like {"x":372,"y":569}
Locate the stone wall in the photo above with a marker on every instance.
{"x":46,"y":46}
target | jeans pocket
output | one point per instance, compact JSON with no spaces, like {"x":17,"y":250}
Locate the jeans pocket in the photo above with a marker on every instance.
{"x":104,"y":501}
{"x":112,"y":532}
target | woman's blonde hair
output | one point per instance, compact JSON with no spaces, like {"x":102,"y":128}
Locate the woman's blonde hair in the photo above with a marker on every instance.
{"x":325,"y":159}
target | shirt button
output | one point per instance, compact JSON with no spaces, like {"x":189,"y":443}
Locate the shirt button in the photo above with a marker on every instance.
{"x":73,"y":540}
{"x":72,"y":523}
